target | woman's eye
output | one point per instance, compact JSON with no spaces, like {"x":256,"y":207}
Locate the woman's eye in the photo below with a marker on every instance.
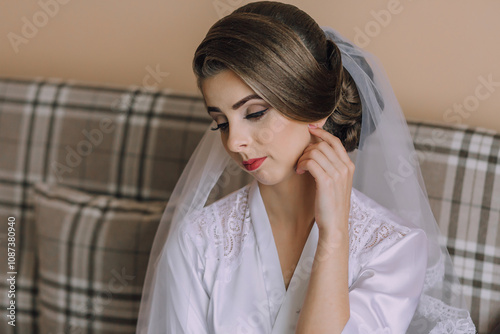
{"x":255,"y":116}
{"x":222,"y":127}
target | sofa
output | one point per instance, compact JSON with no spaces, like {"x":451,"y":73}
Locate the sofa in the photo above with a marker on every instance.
{"x":87,"y":169}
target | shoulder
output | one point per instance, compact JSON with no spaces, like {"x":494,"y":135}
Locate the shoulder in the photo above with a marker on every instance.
{"x":374,"y":228}
{"x":219,"y":228}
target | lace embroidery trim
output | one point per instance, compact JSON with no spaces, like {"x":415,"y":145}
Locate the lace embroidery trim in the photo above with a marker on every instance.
{"x":434,"y":274}
{"x":447,"y":319}
{"x":368,"y":230}
{"x":225,"y":225}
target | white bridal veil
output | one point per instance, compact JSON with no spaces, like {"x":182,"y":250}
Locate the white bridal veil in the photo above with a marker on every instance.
{"x":387,"y":170}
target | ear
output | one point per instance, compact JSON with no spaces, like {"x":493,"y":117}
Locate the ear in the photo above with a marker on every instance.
{"x":320,"y":123}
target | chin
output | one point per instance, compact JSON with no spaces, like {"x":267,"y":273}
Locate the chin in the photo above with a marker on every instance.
{"x":275,"y":178}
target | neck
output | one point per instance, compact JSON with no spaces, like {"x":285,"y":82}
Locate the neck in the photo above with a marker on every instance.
{"x":290,"y":203}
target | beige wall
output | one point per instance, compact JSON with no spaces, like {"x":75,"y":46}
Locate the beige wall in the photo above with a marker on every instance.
{"x":438,"y":54}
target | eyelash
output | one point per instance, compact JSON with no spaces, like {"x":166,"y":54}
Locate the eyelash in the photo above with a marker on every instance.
{"x":256,"y":116}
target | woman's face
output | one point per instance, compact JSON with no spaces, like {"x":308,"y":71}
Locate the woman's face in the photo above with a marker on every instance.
{"x":251,"y":129}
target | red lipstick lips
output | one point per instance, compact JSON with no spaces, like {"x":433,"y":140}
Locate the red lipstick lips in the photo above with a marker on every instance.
{"x":253,"y":164}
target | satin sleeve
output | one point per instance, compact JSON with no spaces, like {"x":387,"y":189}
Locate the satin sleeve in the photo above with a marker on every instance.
{"x":384,"y":297}
{"x":187,"y":300}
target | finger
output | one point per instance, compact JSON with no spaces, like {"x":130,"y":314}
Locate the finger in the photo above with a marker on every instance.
{"x":315,"y":170}
{"x":318,"y":157}
{"x":327,"y":159}
{"x":328,"y":151}
{"x":333,"y":141}
{"x":332,"y":153}
{"x":315,"y":138}
{"x":324,"y":135}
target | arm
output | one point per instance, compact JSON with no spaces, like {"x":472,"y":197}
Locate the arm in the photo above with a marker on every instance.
{"x":326,"y":306}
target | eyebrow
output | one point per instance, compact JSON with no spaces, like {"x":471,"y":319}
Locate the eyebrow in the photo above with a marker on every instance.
{"x":237,"y":104}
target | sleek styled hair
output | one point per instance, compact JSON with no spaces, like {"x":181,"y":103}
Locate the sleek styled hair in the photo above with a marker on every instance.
{"x":281,"y":53}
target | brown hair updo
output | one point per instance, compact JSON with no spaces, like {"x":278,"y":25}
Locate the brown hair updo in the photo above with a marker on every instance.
{"x":283,"y":55}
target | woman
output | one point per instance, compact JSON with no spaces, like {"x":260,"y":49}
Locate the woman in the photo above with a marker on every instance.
{"x":299,"y":249}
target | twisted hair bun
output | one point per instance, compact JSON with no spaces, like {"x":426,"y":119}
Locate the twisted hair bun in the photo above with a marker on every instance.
{"x":284,"y":56}
{"x":345,"y":120}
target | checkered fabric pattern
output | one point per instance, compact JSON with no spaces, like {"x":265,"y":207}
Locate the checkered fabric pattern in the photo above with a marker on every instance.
{"x":93,"y":253}
{"x":122,"y":142}
{"x":104,"y":140}
{"x":461,"y":170}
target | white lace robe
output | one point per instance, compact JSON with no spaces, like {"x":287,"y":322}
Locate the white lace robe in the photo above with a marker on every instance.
{"x":228,"y":276}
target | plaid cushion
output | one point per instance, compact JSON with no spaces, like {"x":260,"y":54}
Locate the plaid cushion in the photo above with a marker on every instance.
{"x":93,"y":253}
{"x":461,"y":170}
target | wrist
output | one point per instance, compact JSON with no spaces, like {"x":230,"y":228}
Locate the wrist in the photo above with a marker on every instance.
{"x":333,"y":237}
{"x":333,"y":232}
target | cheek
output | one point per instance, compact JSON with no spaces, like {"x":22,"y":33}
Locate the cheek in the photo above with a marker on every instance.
{"x":272,"y":129}
{"x":292,"y":141}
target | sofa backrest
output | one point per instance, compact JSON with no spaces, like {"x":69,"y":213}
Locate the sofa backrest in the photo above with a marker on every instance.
{"x":125,"y":142}
{"x":461,"y":170}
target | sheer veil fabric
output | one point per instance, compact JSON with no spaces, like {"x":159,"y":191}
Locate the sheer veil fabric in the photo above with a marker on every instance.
{"x":387,"y":170}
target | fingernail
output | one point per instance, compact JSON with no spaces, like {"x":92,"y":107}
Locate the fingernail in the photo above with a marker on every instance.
{"x":312,"y":126}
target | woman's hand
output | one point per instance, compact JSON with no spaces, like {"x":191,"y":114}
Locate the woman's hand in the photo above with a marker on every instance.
{"x":327,"y":161}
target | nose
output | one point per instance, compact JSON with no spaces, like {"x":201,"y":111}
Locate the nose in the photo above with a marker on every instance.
{"x":239,"y":138}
